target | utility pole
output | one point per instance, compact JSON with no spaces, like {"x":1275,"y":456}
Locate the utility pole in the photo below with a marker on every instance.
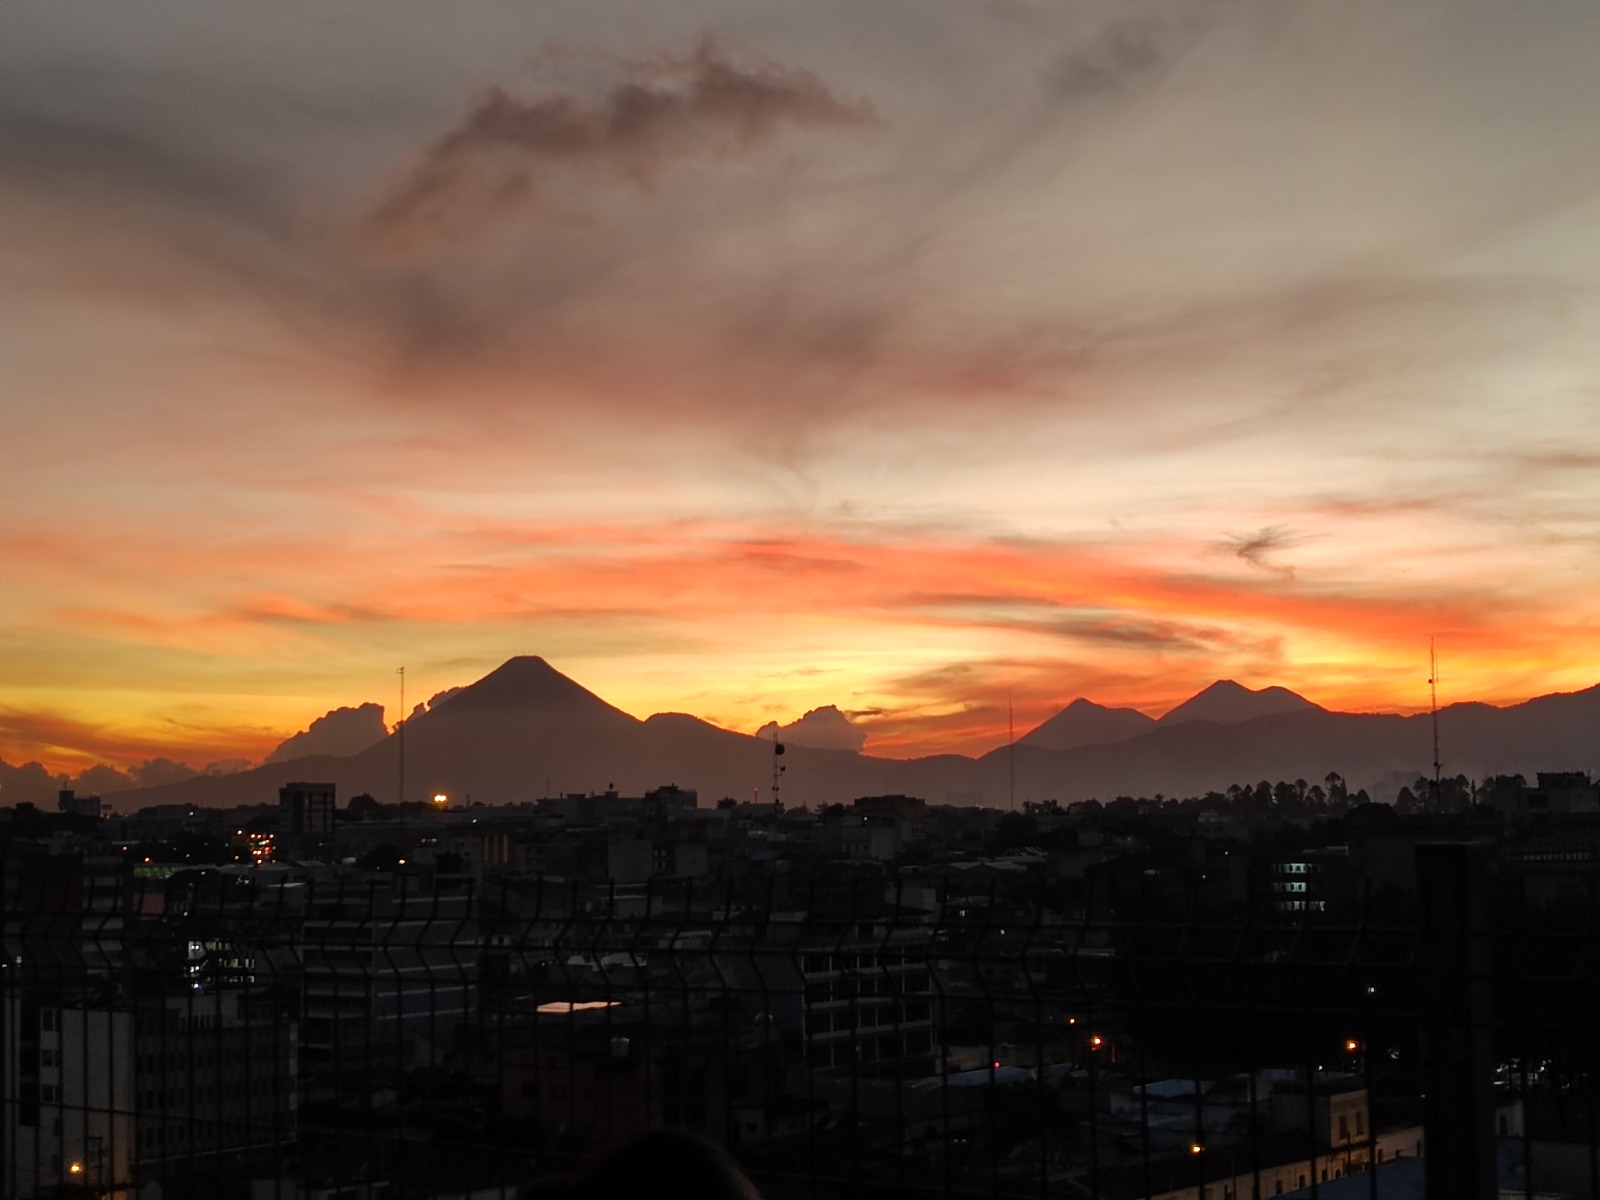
{"x":1011,"y":751}
{"x":400,"y":730}
{"x":1433,"y":704}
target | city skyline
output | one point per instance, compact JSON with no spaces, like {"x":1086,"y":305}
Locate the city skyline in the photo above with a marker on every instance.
{"x":943,"y":363}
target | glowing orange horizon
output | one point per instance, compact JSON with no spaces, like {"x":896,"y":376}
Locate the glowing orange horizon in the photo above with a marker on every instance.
{"x":1036,"y":625}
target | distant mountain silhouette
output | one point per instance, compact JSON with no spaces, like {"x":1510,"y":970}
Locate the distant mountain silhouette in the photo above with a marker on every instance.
{"x":527,"y":731}
{"x":1227,"y":703}
{"x":1085,"y":723}
{"x":527,"y":688}
{"x":826,"y":728}
{"x":341,"y":732}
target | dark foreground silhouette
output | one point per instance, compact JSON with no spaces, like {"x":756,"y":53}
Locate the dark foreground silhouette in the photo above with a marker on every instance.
{"x":663,"y":1162}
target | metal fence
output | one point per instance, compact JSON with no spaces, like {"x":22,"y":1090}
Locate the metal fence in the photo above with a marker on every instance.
{"x":267,"y":1034}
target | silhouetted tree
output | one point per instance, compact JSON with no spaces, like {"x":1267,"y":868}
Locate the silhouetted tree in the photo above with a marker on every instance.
{"x":1338,"y":794}
{"x":363,"y":807}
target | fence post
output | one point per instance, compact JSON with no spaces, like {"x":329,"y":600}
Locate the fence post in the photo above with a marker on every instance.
{"x":1456,"y":1035}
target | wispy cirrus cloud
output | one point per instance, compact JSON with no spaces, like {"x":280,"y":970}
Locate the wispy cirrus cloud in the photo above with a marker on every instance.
{"x":665,"y":112}
{"x":1123,"y":55}
{"x":1258,"y":549}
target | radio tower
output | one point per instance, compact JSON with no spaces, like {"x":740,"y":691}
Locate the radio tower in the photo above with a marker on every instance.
{"x":1011,"y":753}
{"x":401,"y":732}
{"x":1433,"y":704}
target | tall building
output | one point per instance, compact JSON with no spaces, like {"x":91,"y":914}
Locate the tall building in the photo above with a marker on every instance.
{"x":389,"y":969}
{"x":305,"y":819}
{"x":109,"y":1096}
{"x":306,"y":809}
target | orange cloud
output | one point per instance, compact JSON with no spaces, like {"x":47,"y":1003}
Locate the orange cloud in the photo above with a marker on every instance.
{"x":1029,"y":623}
{"x":65,"y":744}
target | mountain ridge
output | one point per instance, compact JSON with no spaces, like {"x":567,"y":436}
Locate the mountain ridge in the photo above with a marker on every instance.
{"x":526,"y":731}
{"x":1086,"y":723}
{"x":1228,"y":703}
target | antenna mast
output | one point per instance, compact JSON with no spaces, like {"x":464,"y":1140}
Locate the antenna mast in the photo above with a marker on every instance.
{"x":1433,"y":704}
{"x":1011,"y":752}
{"x":401,"y":731}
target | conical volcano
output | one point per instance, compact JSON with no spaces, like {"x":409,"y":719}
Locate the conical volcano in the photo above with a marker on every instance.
{"x":525,"y":689}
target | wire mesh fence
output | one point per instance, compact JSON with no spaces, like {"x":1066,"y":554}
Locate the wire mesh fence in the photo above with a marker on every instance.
{"x":276,"y":1034}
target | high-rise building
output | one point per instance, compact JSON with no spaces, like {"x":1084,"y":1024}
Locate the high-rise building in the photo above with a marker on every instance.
{"x":306,"y":809}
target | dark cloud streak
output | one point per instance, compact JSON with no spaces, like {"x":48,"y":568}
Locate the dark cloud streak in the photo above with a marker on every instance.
{"x":493,"y":163}
{"x":1123,"y":55}
{"x":1257,"y":548}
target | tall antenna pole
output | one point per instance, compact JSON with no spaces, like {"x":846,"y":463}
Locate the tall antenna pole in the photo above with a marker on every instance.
{"x":1433,"y":704}
{"x":1011,"y":751}
{"x":401,"y":671}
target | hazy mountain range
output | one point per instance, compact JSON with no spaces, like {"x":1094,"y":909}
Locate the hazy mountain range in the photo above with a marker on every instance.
{"x":526,"y":731}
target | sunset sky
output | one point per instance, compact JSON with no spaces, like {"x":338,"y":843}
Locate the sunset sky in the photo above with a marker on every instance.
{"x":743,"y":357}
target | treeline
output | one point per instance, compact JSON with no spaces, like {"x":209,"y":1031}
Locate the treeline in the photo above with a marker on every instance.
{"x":1298,"y":797}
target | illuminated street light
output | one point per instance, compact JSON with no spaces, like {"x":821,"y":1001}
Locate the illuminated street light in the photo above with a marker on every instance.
{"x":440,"y":800}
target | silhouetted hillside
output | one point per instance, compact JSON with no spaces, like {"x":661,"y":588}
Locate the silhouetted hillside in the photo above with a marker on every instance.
{"x":526,"y":731}
{"x":1228,"y":703}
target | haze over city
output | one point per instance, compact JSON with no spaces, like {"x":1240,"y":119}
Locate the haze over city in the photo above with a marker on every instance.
{"x":942,"y":362}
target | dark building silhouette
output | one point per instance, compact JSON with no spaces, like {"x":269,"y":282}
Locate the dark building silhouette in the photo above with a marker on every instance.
{"x":306,"y":809}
